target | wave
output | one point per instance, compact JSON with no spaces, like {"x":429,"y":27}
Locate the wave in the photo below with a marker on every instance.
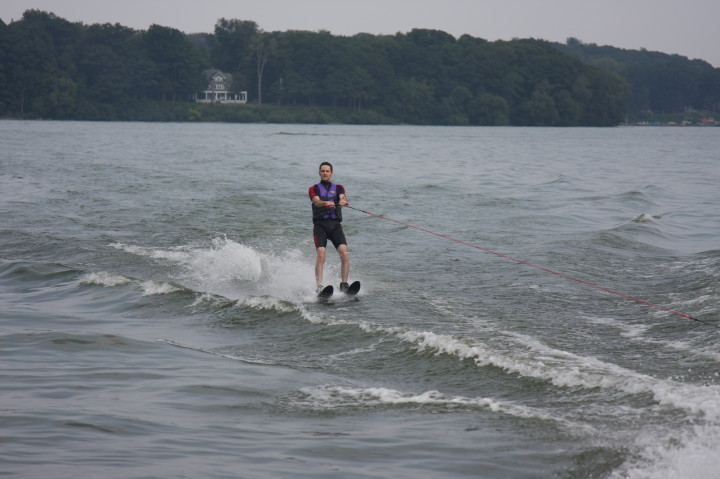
{"x":646,"y":218}
{"x":235,"y":271}
{"x":524,"y":356}
{"x":637,"y":333}
{"x":331,"y":396}
{"x":528,"y":357}
{"x":692,"y":453}
{"x":227,"y":274}
{"x":50,"y":342}
{"x":278,"y":283}
{"x":13,"y":272}
{"x":215,"y":353}
{"x":54,"y":275}
{"x":532,"y":359}
{"x":110,"y":280}
{"x":105,"y":279}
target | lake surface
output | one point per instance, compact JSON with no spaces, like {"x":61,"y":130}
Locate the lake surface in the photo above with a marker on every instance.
{"x":157,"y":312}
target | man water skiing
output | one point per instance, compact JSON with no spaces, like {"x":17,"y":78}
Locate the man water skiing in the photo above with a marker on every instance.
{"x":327,"y":199}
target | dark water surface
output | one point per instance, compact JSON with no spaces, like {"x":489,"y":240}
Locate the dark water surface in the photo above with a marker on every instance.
{"x":157,"y":315}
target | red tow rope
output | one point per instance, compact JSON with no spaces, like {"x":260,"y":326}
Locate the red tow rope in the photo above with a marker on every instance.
{"x":687,"y":316}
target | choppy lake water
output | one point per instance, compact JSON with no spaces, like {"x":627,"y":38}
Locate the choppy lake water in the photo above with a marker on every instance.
{"x":157,"y":315}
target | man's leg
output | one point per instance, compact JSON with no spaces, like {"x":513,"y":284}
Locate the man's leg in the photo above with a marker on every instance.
{"x":344,"y":262}
{"x":319,"y":264}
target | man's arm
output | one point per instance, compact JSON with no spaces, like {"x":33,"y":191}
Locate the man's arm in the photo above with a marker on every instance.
{"x":343,"y":201}
{"x":315,"y":199}
{"x":322,"y":204}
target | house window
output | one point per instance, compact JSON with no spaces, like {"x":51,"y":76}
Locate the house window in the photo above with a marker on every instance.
{"x":219,"y":87}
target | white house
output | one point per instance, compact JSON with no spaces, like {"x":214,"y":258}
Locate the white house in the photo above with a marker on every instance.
{"x":219,"y":89}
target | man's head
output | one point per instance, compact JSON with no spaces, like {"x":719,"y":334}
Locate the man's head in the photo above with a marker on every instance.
{"x":326,"y":171}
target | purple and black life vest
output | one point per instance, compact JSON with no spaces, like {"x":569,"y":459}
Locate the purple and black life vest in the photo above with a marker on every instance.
{"x":327,"y":194}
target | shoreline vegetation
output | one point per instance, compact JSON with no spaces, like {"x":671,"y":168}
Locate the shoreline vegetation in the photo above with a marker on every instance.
{"x":54,"y":69}
{"x":181,"y":112}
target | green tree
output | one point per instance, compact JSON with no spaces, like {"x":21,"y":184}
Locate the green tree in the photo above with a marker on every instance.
{"x":105,"y":63}
{"x":40,"y":48}
{"x":362,"y":88}
{"x":454,"y":109}
{"x":569,"y":111}
{"x":262,"y":47}
{"x":4,"y":65}
{"x":488,"y":110}
{"x":175,"y":66}
{"x":539,"y":110}
{"x":233,"y":49}
{"x":659,"y":82}
{"x":418,"y":100}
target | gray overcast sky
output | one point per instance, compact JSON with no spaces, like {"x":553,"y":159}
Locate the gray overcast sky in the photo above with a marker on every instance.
{"x":686,"y":27}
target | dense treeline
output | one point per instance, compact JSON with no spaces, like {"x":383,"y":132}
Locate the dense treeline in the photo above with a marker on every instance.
{"x":52,"y":68}
{"x":660,"y":82}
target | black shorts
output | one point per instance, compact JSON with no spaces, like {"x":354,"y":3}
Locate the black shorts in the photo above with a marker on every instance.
{"x":328,"y":229}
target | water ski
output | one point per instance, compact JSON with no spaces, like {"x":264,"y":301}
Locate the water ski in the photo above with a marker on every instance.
{"x":353,"y":289}
{"x":326,"y":292}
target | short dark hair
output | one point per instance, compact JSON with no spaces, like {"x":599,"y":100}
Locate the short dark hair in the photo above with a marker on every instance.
{"x":325,"y":163}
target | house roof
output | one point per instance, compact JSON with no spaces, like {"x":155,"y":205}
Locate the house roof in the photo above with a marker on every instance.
{"x":212,"y":72}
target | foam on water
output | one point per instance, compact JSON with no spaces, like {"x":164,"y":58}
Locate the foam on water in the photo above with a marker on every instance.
{"x":151,"y":288}
{"x":692,"y":453}
{"x":331,"y":396}
{"x":224,"y":260}
{"x":109,"y":280}
{"x":105,"y":279}
{"x":212,"y":300}
{"x":151,"y":252}
{"x":237,"y":271}
{"x":645,"y":218}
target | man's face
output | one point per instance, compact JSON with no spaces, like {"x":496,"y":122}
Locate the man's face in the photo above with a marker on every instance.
{"x":325,"y":173}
